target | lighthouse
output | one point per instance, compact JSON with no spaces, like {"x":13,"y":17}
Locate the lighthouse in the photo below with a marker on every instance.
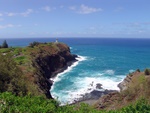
{"x":56,"y":40}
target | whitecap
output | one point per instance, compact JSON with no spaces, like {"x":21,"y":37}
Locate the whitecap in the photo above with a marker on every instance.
{"x":87,"y":84}
{"x":131,"y":71}
{"x":110,"y":72}
{"x":59,"y":75}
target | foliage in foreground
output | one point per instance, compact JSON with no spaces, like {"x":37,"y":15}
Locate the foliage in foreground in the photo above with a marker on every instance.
{"x":10,"y":103}
{"x":10,"y":76}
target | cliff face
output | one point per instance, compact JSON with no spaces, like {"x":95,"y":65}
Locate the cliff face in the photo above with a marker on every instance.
{"x":49,"y":61}
{"x":132,"y":88}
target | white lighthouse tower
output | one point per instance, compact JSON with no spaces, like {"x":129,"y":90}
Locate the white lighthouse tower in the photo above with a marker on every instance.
{"x":56,"y":40}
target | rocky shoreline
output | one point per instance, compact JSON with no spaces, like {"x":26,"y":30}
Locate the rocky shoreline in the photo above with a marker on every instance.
{"x":91,"y":97}
{"x":48,"y":65}
{"x":104,"y":95}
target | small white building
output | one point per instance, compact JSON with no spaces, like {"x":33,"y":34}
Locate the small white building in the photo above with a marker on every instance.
{"x":56,"y":40}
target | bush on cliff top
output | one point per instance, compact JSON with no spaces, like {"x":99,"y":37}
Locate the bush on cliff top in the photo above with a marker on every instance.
{"x":10,"y":103}
{"x":147,"y":71}
{"x":11,"y":76}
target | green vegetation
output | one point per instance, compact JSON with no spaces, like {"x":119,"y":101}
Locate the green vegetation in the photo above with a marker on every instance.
{"x":17,"y":73}
{"x":147,"y":71}
{"x":138,"y":70}
{"x":4,"y":45}
{"x":140,"y":106}
{"x":138,"y":87}
{"x":10,"y":103}
{"x":20,"y":93}
{"x":10,"y":76}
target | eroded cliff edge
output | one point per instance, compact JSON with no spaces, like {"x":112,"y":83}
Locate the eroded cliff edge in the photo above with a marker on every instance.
{"x":134,"y":87}
{"x":48,"y":61}
{"x":37,"y":63}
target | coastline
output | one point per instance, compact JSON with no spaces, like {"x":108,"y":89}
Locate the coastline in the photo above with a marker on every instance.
{"x":69,"y":67}
{"x":90,"y":96}
{"x":61,"y":71}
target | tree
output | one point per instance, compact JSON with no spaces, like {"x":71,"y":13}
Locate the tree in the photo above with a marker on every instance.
{"x":4,"y":45}
{"x":147,"y":72}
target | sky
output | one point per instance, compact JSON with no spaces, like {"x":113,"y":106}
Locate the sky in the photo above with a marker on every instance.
{"x":75,"y":18}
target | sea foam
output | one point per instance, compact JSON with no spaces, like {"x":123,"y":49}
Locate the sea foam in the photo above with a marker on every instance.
{"x":59,"y":75}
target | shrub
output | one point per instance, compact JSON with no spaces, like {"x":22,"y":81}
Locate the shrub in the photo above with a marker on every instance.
{"x":4,"y":45}
{"x":34,"y":44}
{"x":138,"y":70}
{"x":11,"y":78}
{"x":147,"y":71}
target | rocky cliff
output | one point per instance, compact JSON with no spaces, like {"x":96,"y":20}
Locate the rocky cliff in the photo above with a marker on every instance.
{"x":132,"y":88}
{"x":37,"y":63}
{"x":48,"y":61}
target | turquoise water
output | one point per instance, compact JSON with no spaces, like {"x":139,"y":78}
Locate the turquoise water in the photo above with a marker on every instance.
{"x":105,"y":61}
{"x":101,"y":60}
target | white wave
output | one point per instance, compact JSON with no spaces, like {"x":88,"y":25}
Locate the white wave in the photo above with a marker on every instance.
{"x":131,"y":70}
{"x":81,"y":58}
{"x":87,"y":84}
{"x":69,"y":68}
{"x":110,"y":72}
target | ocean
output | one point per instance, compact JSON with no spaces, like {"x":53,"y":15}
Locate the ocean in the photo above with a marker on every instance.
{"x":101,"y":60}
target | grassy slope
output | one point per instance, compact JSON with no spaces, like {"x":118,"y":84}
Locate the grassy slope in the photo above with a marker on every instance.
{"x":138,"y":88}
{"x":23,"y":59}
{"x":10,"y":103}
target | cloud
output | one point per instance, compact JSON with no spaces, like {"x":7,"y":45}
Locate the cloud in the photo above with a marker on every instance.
{"x":11,"y":14}
{"x":9,"y":26}
{"x":19,"y":25}
{"x":47,"y":8}
{"x":72,"y":7}
{"x":1,"y":14}
{"x":119,"y":9}
{"x":61,"y":6}
{"x":6,"y":26}
{"x":27,"y":12}
{"x":83,"y":9}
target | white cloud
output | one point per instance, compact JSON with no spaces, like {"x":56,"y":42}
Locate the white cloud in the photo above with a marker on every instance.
{"x":27,"y":12}
{"x":19,"y":25}
{"x":72,"y":7}
{"x":6,"y":26}
{"x":87,"y":10}
{"x":61,"y":6}
{"x":119,"y":9}
{"x":141,"y":31}
{"x":9,"y":26}
{"x":47,"y":8}
{"x":11,"y":14}
{"x":1,"y":14}
{"x":35,"y":24}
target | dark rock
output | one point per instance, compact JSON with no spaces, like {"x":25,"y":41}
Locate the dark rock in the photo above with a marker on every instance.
{"x":95,"y":94}
{"x":99,"y":86}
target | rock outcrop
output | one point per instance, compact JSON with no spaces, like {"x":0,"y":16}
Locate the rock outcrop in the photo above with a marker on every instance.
{"x":127,"y":80}
{"x":124,"y":84}
{"x":133,"y":83}
{"x":48,"y":62}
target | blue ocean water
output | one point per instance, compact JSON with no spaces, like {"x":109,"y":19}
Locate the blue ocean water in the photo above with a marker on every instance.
{"x":101,"y":60}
